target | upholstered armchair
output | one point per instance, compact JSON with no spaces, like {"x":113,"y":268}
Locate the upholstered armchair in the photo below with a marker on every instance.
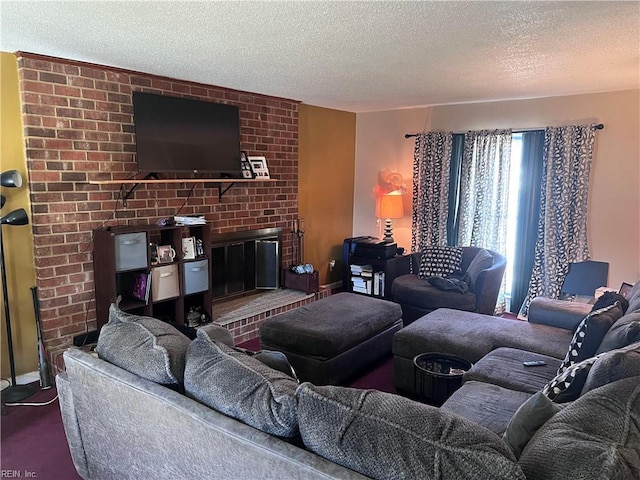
{"x":418,"y":296}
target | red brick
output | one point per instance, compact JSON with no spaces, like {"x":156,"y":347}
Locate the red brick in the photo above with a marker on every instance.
{"x":274,"y":134}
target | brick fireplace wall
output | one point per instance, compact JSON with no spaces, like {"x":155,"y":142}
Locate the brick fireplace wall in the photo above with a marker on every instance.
{"x":78,"y":126}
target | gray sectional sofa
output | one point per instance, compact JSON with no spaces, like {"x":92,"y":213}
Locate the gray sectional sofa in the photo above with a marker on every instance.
{"x":152,"y":407}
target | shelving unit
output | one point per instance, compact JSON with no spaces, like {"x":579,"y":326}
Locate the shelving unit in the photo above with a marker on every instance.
{"x":219,"y":183}
{"x":121,"y":255}
{"x":391,"y":268}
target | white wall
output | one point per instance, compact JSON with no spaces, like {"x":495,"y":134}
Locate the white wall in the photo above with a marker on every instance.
{"x":380,"y":145}
{"x":614,"y":197}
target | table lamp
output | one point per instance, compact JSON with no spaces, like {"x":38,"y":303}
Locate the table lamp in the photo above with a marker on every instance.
{"x":390,"y":206}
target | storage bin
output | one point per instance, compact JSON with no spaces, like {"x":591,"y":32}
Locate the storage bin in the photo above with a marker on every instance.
{"x":165,"y":282}
{"x":131,"y":251}
{"x":196,"y":276}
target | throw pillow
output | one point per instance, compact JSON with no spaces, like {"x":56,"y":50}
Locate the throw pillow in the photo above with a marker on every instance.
{"x":440,"y":261}
{"x":146,"y":346}
{"x":449,"y":284}
{"x":567,"y":386}
{"x":382,"y":435}
{"x":589,"y":334}
{"x":480,"y":262}
{"x":241,"y":387}
{"x":531,"y":415}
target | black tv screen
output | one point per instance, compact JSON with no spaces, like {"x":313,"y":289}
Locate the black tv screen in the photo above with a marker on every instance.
{"x":183,"y":135}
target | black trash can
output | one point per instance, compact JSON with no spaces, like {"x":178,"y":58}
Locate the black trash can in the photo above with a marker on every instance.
{"x":438,"y":375}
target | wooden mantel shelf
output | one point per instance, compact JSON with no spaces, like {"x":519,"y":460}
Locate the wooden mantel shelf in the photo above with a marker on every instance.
{"x":179,"y":180}
{"x":229,"y":182}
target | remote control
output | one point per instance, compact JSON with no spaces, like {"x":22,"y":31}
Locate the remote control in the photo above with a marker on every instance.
{"x":534,"y":363}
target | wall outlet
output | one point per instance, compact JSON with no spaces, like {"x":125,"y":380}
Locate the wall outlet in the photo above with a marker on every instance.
{"x":332,"y":265}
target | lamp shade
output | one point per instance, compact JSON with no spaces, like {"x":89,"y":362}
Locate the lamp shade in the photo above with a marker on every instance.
{"x":390,"y":206}
{"x":16,"y":217}
{"x":11,"y":178}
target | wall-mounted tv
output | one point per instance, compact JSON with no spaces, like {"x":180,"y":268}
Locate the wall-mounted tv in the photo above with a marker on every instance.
{"x":183,"y":135}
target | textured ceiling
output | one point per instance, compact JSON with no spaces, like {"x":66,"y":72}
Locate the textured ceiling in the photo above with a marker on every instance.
{"x":348,"y":55}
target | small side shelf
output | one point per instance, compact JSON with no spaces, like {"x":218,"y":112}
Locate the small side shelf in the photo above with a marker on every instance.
{"x":223,"y":184}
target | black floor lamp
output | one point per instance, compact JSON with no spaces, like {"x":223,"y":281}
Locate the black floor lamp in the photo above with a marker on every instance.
{"x":13,"y":393}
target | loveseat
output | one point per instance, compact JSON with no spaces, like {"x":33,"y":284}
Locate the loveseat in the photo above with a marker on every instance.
{"x":151,"y":417}
{"x":477,"y":275}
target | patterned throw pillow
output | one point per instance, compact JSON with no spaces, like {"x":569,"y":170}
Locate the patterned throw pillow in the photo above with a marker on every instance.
{"x":567,"y":386}
{"x":440,"y":261}
{"x":589,"y":334}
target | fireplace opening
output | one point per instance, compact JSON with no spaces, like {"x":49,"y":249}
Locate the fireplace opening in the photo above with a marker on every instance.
{"x":245,"y":262}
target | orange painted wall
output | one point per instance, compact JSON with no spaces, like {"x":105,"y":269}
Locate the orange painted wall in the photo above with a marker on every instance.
{"x":325,"y":189}
{"x":18,"y":240}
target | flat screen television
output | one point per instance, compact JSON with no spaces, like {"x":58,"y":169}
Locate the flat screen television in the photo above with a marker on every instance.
{"x":183,"y":135}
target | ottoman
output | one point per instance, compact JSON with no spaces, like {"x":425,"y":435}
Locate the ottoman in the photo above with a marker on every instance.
{"x":329,"y":341}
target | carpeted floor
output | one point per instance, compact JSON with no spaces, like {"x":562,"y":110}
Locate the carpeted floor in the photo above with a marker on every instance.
{"x":33,"y":440}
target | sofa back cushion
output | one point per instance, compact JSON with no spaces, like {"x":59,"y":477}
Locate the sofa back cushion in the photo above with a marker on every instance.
{"x":624,"y":332}
{"x":387,"y":436}
{"x":594,"y":437}
{"x":481,"y":261}
{"x":240,"y":386}
{"x":146,"y":346}
{"x":634,"y":298}
{"x":612,"y":366}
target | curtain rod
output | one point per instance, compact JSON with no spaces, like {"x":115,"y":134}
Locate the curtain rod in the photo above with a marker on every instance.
{"x":599,"y":126}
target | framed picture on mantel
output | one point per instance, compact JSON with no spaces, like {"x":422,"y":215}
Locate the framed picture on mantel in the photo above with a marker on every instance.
{"x":259,"y":165}
{"x":247,"y":169}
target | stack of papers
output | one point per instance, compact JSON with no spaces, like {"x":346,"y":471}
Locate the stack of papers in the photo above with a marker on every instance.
{"x":190,"y":220}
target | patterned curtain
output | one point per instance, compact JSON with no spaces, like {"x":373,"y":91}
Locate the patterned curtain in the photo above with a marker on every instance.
{"x":484,"y":193}
{"x":431,"y":163}
{"x":562,"y":225}
{"x":484,"y":189}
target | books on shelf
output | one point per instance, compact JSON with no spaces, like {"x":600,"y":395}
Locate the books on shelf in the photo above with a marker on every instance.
{"x":190,"y":220}
{"x":142,"y":286}
{"x":362,"y":285}
{"x":372,"y":284}
{"x":366,"y":270}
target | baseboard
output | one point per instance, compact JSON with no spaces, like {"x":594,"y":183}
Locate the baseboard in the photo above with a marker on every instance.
{"x":332,"y":286}
{"x":24,"y":379}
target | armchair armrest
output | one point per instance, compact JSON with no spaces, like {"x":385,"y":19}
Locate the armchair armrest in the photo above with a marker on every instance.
{"x":557,"y":313}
